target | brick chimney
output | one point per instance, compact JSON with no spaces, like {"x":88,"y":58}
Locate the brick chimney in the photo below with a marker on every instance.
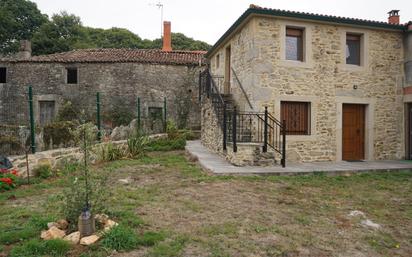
{"x":24,"y":50}
{"x":394,"y":17}
{"x":167,"y":36}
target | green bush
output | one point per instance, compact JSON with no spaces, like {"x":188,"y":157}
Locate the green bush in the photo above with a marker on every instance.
{"x":136,"y":144}
{"x":120,"y":238}
{"x":74,"y":196}
{"x":171,"y":130}
{"x":166,"y":144}
{"x":37,"y":248}
{"x":68,"y":112}
{"x":59,"y":133}
{"x":43,"y":171}
{"x":109,"y":152}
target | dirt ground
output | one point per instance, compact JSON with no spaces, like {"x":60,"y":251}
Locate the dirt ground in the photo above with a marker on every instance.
{"x":272,"y":216}
{"x":204,"y":215}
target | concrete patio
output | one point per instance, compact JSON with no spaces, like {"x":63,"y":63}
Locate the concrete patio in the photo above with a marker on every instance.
{"x":216,"y":164}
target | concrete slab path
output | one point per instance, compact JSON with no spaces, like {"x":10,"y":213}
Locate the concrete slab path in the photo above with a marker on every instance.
{"x":216,"y":164}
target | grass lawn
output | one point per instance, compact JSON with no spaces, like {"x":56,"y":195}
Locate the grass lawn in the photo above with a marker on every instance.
{"x":178,"y":210}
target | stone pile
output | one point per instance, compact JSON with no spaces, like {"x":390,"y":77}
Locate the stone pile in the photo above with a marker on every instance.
{"x":58,"y":230}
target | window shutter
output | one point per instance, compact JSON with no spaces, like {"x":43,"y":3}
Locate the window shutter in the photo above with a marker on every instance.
{"x":296,"y":117}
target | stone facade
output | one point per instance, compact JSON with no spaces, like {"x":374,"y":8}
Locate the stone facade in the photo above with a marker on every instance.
{"x":118,"y":83}
{"x":323,"y":79}
{"x":211,"y":133}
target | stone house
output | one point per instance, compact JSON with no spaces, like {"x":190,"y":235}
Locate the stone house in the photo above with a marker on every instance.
{"x":120,"y":75}
{"x":341,"y":88}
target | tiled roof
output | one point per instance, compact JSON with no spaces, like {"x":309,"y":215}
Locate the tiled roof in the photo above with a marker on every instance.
{"x":307,"y":14}
{"x":153,"y":56}
{"x":257,"y":10}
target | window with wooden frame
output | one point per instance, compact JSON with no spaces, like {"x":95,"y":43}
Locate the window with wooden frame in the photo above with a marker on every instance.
{"x":353,"y":49}
{"x":72,"y":75}
{"x":294,"y":44}
{"x":46,"y":112}
{"x":217,"y":61}
{"x":296,"y":116}
{"x":3,"y":75}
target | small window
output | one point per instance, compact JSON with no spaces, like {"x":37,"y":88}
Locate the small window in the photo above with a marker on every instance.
{"x":353,"y":49}
{"x":294,"y":44}
{"x":156,"y":113}
{"x":47,"y":111}
{"x":296,"y":116}
{"x":71,"y":75}
{"x":217,"y":61}
{"x":3,"y":75}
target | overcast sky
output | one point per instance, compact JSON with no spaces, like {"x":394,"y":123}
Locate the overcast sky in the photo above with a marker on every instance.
{"x":207,"y":20}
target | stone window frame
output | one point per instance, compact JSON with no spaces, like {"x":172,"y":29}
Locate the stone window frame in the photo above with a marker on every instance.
{"x":307,"y":61}
{"x":7,"y":77}
{"x":364,"y":51}
{"x":65,"y":74}
{"x":369,"y":124}
{"x":314,"y":103}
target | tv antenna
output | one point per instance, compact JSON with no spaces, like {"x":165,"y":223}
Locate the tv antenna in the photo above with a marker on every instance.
{"x":159,"y":5}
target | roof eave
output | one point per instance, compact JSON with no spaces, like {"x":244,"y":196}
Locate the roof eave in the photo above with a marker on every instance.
{"x":304,"y":16}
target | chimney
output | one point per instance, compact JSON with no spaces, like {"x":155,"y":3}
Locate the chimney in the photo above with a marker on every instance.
{"x":167,"y":36}
{"x":24,"y":50}
{"x":394,"y":17}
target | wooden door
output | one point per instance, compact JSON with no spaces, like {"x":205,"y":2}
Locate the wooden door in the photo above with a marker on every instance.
{"x":46,"y":112}
{"x":228,"y":56}
{"x":353,"y":132}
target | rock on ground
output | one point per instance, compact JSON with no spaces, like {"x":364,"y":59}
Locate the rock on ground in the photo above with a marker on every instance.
{"x":88,"y":240}
{"x":52,"y":233}
{"x":73,"y":237}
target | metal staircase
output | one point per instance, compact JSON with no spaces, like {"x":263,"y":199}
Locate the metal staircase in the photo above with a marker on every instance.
{"x":244,"y":127}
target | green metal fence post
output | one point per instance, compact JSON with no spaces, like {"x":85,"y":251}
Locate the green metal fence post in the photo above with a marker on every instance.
{"x":32,"y":129}
{"x":165,"y":113}
{"x":99,"y":125}
{"x":138,"y":113}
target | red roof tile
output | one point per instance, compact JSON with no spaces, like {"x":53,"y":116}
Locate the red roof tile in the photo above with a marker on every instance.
{"x":153,"y":56}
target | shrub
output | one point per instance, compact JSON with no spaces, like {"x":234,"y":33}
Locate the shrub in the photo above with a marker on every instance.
{"x":166,"y":144}
{"x":136,"y":144}
{"x":43,"y":171}
{"x":68,"y":112}
{"x":8,"y":179}
{"x":120,"y":238}
{"x":37,"y":248}
{"x":74,"y":196}
{"x":119,"y":115}
{"x":109,"y":152}
{"x":59,"y":133}
{"x":171,"y":130}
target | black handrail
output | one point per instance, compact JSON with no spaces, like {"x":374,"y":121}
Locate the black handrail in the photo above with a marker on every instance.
{"x":242,"y":89}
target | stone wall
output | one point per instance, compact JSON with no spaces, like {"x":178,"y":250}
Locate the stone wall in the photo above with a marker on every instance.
{"x":119,"y":84}
{"x":211,"y":132}
{"x":59,"y":157}
{"x":324,"y":80}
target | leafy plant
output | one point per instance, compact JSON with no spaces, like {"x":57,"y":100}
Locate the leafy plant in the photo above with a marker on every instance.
{"x":171,"y":130}
{"x":43,"y":171}
{"x":8,"y":179}
{"x":75,"y":194}
{"x":136,"y":144}
{"x":120,"y":238}
{"x":109,"y":152}
{"x":58,"y":133}
{"x":37,"y":248}
{"x":68,"y":112}
{"x":166,"y":144}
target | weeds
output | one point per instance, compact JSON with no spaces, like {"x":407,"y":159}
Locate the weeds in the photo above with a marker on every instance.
{"x":37,"y":248}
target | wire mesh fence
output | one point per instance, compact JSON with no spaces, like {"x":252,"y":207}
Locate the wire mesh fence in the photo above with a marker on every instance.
{"x":38,"y":121}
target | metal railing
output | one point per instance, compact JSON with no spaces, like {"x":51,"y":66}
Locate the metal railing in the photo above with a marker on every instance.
{"x":257,"y":127}
{"x":241,"y":88}
{"x":243,"y":127}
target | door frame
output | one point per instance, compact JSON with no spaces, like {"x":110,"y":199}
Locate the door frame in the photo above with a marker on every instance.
{"x":369,"y":124}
